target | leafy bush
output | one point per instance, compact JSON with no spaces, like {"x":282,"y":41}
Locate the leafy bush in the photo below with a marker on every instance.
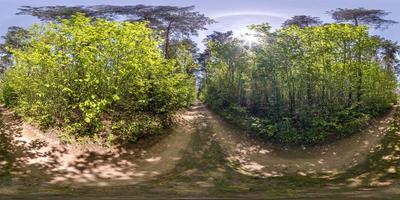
{"x":92,"y":75}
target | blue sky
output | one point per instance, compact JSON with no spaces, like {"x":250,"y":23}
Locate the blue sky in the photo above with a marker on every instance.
{"x":231,"y":14}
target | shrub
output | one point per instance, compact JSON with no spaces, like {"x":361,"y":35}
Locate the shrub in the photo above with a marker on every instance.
{"x":81,"y":73}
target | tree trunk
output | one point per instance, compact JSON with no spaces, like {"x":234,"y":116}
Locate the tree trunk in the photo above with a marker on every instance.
{"x":309,"y":89}
{"x":355,"y":21}
{"x":349,"y":99}
{"x":167,"y":41}
{"x":359,"y":85}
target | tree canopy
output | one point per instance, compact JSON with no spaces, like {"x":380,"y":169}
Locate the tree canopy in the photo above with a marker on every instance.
{"x":360,"y":16}
{"x":174,"y":22}
{"x":302,"y":21}
{"x":390,"y":51}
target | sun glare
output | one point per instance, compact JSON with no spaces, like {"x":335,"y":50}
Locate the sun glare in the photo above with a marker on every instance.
{"x":247,"y":35}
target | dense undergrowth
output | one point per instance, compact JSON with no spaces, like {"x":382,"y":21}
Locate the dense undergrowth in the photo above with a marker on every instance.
{"x":299,"y":85}
{"x":339,"y":125}
{"x":96,"y":78}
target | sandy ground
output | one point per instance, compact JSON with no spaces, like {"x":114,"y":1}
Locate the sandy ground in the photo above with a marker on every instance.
{"x":267,"y":159}
{"x":43,"y":155}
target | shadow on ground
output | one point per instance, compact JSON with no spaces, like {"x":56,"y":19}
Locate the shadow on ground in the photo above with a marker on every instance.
{"x":198,"y":166}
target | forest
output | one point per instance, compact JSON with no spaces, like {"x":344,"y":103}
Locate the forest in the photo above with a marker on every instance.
{"x":111,"y":95}
{"x":303,"y":83}
{"x":300,"y":85}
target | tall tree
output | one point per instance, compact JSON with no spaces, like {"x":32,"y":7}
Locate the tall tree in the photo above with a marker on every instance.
{"x":12,"y":40}
{"x":177,"y":22}
{"x":359,"y":16}
{"x":302,"y":21}
{"x":389,"y":54}
{"x":362,"y":16}
{"x":215,"y":37}
{"x":52,"y":13}
{"x":173,"y":22}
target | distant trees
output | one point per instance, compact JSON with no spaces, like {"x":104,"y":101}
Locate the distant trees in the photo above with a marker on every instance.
{"x":355,"y":16}
{"x":215,"y":37}
{"x":225,"y":71}
{"x":302,"y":21}
{"x":362,"y":16}
{"x":390,"y":54}
{"x":174,"y":23}
{"x":12,"y":40}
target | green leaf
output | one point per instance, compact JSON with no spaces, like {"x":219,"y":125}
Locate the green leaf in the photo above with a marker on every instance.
{"x":115,"y":97}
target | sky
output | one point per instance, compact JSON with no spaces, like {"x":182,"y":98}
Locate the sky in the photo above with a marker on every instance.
{"x":230,"y":14}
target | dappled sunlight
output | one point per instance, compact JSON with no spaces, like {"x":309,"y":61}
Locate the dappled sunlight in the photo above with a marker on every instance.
{"x":257,"y":157}
{"x":33,"y":154}
{"x":210,"y":155}
{"x":382,"y":164}
{"x":156,"y":159}
{"x":215,"y":100}
{"x":324,"y":164}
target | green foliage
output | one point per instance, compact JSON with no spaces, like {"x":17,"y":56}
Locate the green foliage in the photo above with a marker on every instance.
{"x":300,"y":85}
{"x":96,"y":76}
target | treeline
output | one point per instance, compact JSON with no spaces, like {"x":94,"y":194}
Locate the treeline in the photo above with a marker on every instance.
{"x":304,"y":83}
{"x":92,"y":75}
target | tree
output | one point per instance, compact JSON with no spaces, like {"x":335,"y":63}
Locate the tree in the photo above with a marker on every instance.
{"x":185,"y":52}
{"x":53,"y":13}
{"x":390,"y":52}
{"x":225,"y":70}
{"x":359,"y":16}
{"x":12,"y":40}
{"x":302,"y":21}
{"x":173,"y":22}
{"x":203,"y":59}
{"x":215,"y":37}
{"x":218,"y":37}
{"x":177,"y":22}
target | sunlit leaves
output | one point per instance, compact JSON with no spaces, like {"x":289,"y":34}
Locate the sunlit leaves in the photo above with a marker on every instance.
{"x":83,"y":72}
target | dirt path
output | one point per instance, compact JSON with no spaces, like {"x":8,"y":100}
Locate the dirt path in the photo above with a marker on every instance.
{"x":41,"y":157}
{"x":201,"y":157}
{"x":267,"y":159}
